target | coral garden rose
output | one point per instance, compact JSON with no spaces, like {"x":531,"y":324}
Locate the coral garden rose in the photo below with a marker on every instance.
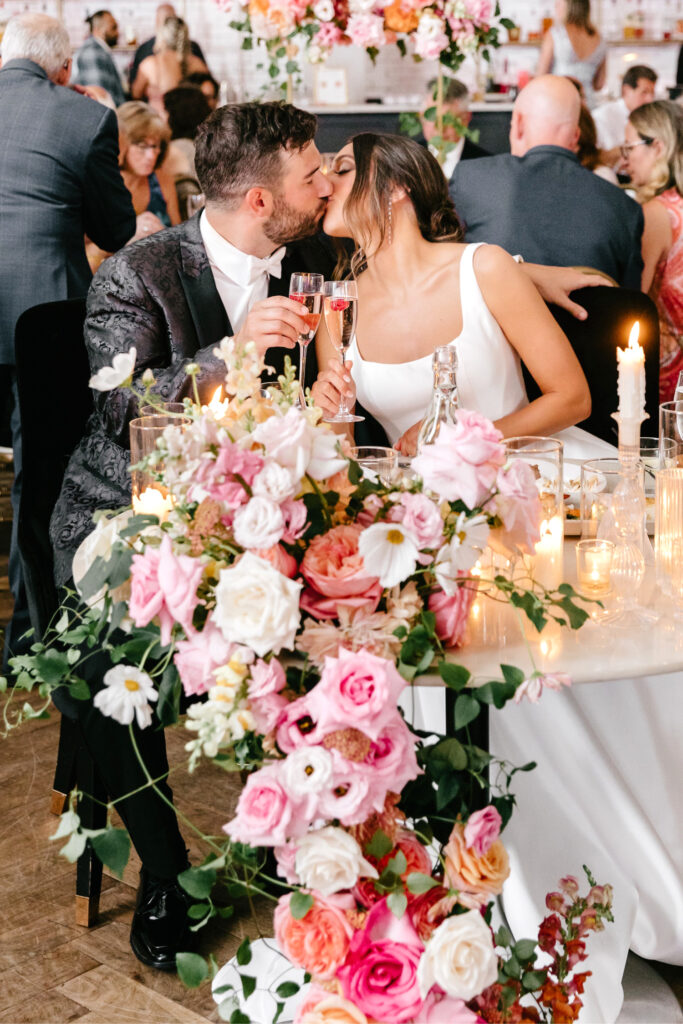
{"x":198,"y":657}
{"x":257,"y":606}
{"x":464,"y":460}
{"x":482,"y":829}
{"x":482,"y":876}
{"x":322,"y":1007}
{"x":320,"y":941}
{"x":451,"y":613}
{"x":356,"y":689}
{"x":164,"y":584}
{"x":280,"y":559}
{"x":334,"y":570}
{"x":459,"y":958}
{"x":420,"y":910}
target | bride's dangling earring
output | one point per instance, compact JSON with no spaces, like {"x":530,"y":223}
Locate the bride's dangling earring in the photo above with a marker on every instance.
{"x":390,"y":232}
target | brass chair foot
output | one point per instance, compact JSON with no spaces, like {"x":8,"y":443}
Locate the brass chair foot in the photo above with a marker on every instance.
{"x":57,"y":802}
{"x":86,"y":911}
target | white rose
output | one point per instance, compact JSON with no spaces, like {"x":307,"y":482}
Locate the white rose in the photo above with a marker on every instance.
{"x":257,"y":606}
{"x":324,"y":10}
{"x":459,"y":958}
{"x":275,"y":482}
{"x":258,"y":524}
{"x":98,"y":544}
{"x":287,"y":439}
{"x":330,"y":860}
{"x":307,"y":771}
{"x":325,"y":459}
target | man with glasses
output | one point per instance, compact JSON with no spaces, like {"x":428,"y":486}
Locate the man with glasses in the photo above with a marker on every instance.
{"x":540,"y":202}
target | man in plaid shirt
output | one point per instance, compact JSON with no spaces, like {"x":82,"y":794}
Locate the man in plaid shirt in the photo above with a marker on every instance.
{"x":94,"y":62}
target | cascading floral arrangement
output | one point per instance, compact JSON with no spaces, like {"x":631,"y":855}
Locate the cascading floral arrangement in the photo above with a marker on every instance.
{"x":292,"y":599}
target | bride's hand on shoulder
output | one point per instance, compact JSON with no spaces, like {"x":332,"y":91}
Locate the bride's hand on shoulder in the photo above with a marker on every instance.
{"x":407,"y":443}
{"x":331,"y":384}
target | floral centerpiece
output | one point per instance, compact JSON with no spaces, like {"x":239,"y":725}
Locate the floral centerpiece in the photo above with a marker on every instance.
{"x":292,"y":600}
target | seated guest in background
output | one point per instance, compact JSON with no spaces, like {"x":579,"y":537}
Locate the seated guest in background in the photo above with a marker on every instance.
{"x":94,"y":62}
{"x":146,"y":49}
{"x":539,"y":202}
{"x":205,"y":81}
{"x":587,"y":150}
{"x":186,"y":107}
{"x":654,"y":158}
{"x":455,"y":102}
{"x":573,"y":47}
{"x":164,"y":69}
{"x":637,"y":87}
{"x":419,"y":287}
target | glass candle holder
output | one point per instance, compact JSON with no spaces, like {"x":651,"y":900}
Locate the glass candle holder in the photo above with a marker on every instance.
{"x":545,"y":457}
{"x":377,"y":463}
{"x":150,"y":497}
{"x":593,"y":564}
{"x":668,"y":525}
{"x":671,"y":429}
{"x":599,"y":479}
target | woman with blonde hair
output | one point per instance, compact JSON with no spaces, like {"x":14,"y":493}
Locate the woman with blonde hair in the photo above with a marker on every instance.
{"x":171,"y":62}
{"x":653,"y":152}
{"x":573,"y":47}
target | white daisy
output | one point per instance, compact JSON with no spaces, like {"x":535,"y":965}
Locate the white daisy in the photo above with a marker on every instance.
{"x":126,"y":694}
{"x":389,"y":552}
{"x":462,"y":551}
{"x":120,"y":372}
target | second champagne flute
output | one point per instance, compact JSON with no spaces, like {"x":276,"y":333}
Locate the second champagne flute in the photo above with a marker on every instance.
{"x":306,"y":289}
{"x":340,"y":301}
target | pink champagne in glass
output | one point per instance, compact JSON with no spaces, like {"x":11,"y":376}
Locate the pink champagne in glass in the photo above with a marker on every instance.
{"x":306,"y":289}
{"x":340,"y":301}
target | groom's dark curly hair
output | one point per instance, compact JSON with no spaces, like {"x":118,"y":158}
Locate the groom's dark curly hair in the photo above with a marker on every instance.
{"x":241,"y":146}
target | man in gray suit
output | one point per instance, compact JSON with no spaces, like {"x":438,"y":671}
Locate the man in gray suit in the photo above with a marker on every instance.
{"x":94,"y":62}
{"x":538,"y":200}
{"x":59,"y":180}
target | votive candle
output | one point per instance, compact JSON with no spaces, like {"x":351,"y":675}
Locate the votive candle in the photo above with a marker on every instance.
{"x":151,"y":502}
{"x":593,"y":565}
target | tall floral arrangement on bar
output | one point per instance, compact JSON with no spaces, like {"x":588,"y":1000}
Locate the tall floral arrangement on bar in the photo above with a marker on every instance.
{"x":293,"y":600}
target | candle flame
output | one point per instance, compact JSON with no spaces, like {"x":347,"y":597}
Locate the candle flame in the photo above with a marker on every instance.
{"x":217,"y":396}
{"x":633,"y":336}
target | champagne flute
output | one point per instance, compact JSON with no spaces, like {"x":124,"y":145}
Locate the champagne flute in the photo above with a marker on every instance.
{"x":306,"y":289}
{"x":340,"y":302}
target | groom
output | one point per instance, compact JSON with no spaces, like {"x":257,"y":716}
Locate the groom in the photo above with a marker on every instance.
{"x":174,"y":296}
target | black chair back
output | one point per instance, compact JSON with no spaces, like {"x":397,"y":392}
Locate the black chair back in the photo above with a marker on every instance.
{"x":611,"y":314}
{"x":55,"y":403}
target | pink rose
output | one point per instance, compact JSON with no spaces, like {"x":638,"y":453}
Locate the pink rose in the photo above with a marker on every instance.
{"x":217,"y":477}
{"x":267,"y":711}
{"x":319,"y":941}
{"x":392,"y":757}
{"x":164,"y":585}
{"x":328,"y":35}
{"x":423,"y":519}
{"x":451,"y":613}
{"x":380,"y":972}
{"x":266,"y":677}
{"x":356,"y":689}
{"x":197,"y":658}
{"x":464,"y":460}
{"x":438,"y":1008}
{"x":265,"y":816}
{"x":366,"y":30}
{"x":295,"y":515}
{"x":280,"y":559}
{"x":482,"y":829}
{"x":285,"y":857}
{"x":334,"y":569}
{"x":519,"y":506}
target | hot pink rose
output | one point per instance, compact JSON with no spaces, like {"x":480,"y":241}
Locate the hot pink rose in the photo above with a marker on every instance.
{"x":464,"y":459}
{"x":320,"y":941}
{"x":380,"y":972}
{"x":519,"y":506}
{"x":423,"y":519}
{"x":438,"y":1008}
{"x":482,"y":829}
{"x":164,"y":585}
{"x":334,"y":569}
{"x":281,"y":559}
{"x":218,"y":477}
{"x":451,"y":613}
{"x":356,"y":689}
{"x":197,"y":658}
{"x":265,"y":816}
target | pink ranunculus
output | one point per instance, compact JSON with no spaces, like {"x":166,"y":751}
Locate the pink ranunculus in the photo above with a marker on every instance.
{"x":198,"y":657}
{"x":366,"y":30}
{"x":356,"y":689}
{"x":265,"y":816}
{"x":482,"y":829}
{"x":217,"y":477}
{"x":266,"y":677}
{"x":423,"y":519}
{"x":280,"y":559}
{"x":464,"y":460}
{"x":438,"y":1008}
{"x":334,"y":570}
{"x":380,"y":972}
{"x":295,"y":516}
{"x":296,"y":727}
{"x":165,"y":585}
{"x":519,"y":506}
{"x":320,"y":941}
{"x":451,"y":613}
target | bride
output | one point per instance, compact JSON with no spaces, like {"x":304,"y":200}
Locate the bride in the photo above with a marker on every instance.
{"x":420,"y":287}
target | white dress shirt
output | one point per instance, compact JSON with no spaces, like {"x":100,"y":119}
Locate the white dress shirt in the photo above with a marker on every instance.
{"x":610,"y":123}
{"x":452,"y":158}
{"x":241,"y":280}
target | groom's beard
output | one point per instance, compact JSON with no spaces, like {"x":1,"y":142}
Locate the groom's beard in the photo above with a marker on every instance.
{"x":287,"y":224}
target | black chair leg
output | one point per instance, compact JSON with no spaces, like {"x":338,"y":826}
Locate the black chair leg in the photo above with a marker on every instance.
{"x":93,"y":814}
{"x":65,"y":769}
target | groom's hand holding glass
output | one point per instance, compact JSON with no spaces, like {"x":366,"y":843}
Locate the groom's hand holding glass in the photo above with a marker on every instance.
{"x":274,"y":322}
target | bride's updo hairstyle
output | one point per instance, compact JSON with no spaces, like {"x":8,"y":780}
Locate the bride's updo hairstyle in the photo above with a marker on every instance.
{"x":386,"y":162}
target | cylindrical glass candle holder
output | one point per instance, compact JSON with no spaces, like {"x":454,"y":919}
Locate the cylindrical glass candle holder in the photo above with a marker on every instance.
{"x":377,"y":463}
{"x":668,"y":524}
{"x":150,"y":497}
{"x":671,"y":429}
{"x":599,"y":479}
{"x":593,"y":564}
{"x":545,"y":457}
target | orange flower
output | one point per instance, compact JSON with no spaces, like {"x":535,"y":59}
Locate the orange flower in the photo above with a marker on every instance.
{"x":398,"y":19}
{"x":320,"y":941}
{"x":483,"y":876}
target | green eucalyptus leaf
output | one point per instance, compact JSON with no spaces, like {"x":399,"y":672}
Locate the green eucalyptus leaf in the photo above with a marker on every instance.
{"x":248,"y":985}
{"x":379,"y":846}
{"x":192,"y":969}
{"x":243,"y":955}
{"x":397,"y":903}
{"x":417,"y":883}
{"x":299,"y":904}
{"x":467,"y":708}
{"x":113,"y":848}
{"x":198,"y":882}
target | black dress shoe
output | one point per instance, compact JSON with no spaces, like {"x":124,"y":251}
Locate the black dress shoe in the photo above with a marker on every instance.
{"x":160,"y":925}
